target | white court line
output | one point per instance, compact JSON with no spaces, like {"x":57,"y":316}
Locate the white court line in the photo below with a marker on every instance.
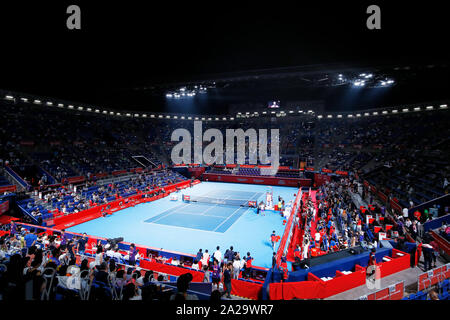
{"x":172,"y":226}
{"x":170,"y":213}
{"x":195,"y":214}
{"x":227,"y":218}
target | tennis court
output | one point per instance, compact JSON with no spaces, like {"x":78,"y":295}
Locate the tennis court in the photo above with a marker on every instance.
{"x":186,"y":227}
{"x":218,"y":215}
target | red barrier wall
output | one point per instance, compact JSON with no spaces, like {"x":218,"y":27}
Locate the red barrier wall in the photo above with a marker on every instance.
{"x":246,"y":289}
{"x":197,"y":276}
{"x":342,"y":282}
{"x":291,"y":290}
{"x":433,"y":276}
{"x":73,"y":219}
{"x":398,"y":263}
{"x":386,"y":294}
{"x":316,"y":288}
{"x":274,"y":181}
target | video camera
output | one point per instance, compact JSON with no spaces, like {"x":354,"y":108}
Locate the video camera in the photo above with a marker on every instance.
{"x":113,"y":242}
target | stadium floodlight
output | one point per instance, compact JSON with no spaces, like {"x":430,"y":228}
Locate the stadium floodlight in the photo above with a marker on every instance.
{"x":49,"y":103}
{"x":97,"y":111}
{"x":430,"y":108}
{"x":247,"y":113}
{"x":118,"y":114}
{"x":175,"y":117}
{"x":375,"y":113}
{"x":144,"y":116}
{"x":160,"y":116}
{"x":405,"y":110}
{"x":60,"y":105}
{"x":390,"y":81}
{"x":182,"y":117}
{"x":231,"y":118}
{"x":319,"y":116}
{"x":366,"y":114}
{"x":395,"y":111}
{"x":264,"y":112}
{"x":169,"y":95}
{"x":167,"y":117}
{"x":350,"y":116}
{"x":196,"y":118}
{"x":443,"y":106}
{"x":209,"y":119}
{"x":329,"y":116}
{"x":70,"y":106}
{"x":152,"y":116}
{"x":224,"y":118}
{"x":203,"y":119}
{"x":9,"y":97}
{"x":290,"y":111}
{"x":417,"y":109}
{"x":111,"y":113}
{"x":37,"y":101}
{"x":384,"y":112}
{"x":80,"y":108}
{"x":217,"y":118}
{"x":358,"y":115}
{"x":89,"y":109}
{"x":339,"y":116}
{"x":136,"y":115}
{"x":105,"y":112}
{"x":272,"y":112}
{"x":189,"y":118}
{"x":24,"y":99}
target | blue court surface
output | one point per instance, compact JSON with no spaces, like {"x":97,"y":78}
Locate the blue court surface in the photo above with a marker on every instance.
{"x":187,"y":227}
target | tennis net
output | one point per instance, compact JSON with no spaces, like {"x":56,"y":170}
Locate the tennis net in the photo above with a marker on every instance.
{"x":217,"y":201}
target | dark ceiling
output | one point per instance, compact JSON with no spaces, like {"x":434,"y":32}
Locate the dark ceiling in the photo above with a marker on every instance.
{"x":124,"y":47}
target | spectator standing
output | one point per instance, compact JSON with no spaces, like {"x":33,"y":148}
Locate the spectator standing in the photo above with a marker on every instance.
{"x":216,"y":274}
{"x":427,"y":255}
{"x":227,"y":279}
{"x":218,"y":255}
{"x":199,"y":255}
{"x":207,"y":276}
{"x":205,"y":258}
{"x":435,"y":252}
{"x":30,"y":238}
{"x":132,"y":255}
{"x":81,"y":244}
{"x":236,"y":266}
